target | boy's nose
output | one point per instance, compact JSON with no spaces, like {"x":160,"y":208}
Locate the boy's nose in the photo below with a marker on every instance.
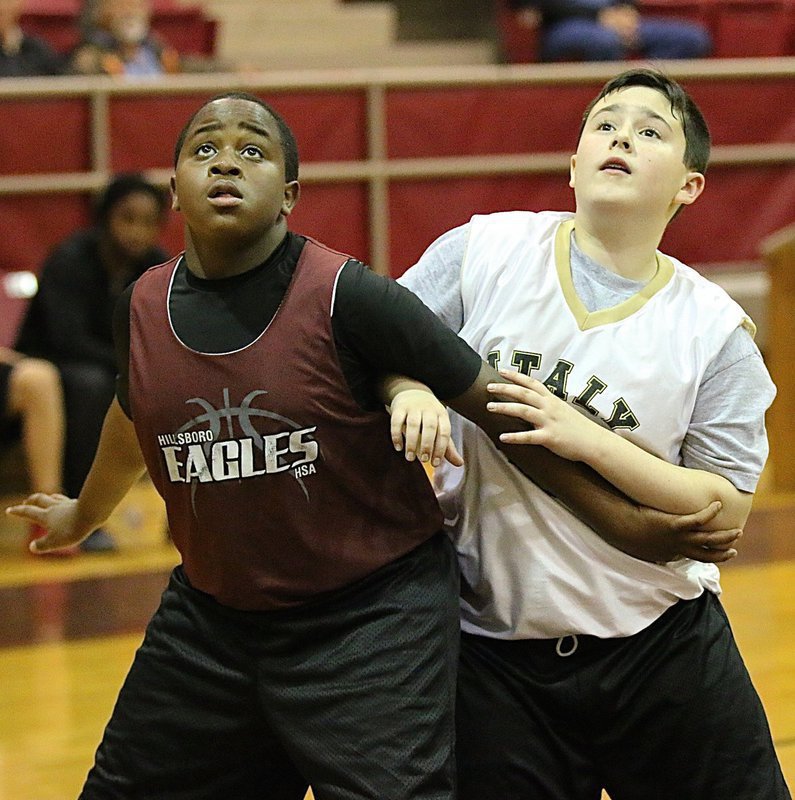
{"x":224,"y":167}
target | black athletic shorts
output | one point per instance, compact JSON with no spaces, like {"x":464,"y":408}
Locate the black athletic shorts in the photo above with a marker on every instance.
{"x":667,"y":714}
{"x":352,"y":693}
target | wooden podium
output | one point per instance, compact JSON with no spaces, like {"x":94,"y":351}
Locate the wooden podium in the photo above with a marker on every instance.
{"x":778,"y":251}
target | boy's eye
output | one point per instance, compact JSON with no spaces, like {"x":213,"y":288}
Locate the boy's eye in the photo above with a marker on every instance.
{"x":205,"y":149}
{"x":605,"y":126}
{"x":252,"y":151}
{"x":650,"y":132}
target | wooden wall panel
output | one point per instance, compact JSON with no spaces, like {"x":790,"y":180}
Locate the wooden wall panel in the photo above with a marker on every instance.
{"x":335,"y":214}
{"x":422,"y":210}
{"x":485,"y":120}
{"x":42,"y":135}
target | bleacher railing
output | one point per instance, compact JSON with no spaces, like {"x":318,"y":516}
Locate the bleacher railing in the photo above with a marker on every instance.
{"x":379,"y":157}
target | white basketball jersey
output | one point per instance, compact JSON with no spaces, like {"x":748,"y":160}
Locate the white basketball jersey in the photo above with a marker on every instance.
{"x":530,"y":569}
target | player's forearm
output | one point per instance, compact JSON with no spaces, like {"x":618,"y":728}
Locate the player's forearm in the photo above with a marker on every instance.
{"x":588,"y":495}
{"x":390,"y":386}
{"x":600,"y":505}
{"x":651,"y":481}
{"x":640,"y":531}
{"x":592,"y":499}
{"x":117,"y":464}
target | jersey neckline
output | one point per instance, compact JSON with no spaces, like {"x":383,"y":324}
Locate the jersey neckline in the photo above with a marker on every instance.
{"x":586,"y":319}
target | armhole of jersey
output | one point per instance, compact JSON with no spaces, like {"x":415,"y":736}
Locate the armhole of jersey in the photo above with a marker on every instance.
{"x":334,"y":290}
{"x":169,"y":289}
{"x":461,"y":269}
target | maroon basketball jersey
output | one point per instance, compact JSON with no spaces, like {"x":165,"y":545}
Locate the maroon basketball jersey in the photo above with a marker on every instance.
{"x":277,"y":485}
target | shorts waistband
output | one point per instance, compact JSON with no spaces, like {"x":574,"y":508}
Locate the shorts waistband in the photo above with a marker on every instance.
{"x":559,"y":647}
{"x":582,"y":644}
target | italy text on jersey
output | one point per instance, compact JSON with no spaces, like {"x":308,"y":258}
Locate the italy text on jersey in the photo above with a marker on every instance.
{"x":558,"y":382}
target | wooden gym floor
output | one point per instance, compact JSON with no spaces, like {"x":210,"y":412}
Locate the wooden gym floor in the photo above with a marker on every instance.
{"x":69,"y":627}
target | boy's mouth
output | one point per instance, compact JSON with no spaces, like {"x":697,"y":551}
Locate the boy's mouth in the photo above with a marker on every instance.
{"x":616,"y":164}
{"x":224,"y":193}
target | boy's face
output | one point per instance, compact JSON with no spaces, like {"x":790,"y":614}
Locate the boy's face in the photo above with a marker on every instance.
{"x":229,"y":178}
{"x":630,"y":156}
{"x":127,"y":20}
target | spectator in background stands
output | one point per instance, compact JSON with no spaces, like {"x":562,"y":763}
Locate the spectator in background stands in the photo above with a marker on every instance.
{"x":69,"y":321}
{"x":608,"y":30}
{"x":31,"y":403}
{"x":119,"y":41}
{"x":23,"y":55}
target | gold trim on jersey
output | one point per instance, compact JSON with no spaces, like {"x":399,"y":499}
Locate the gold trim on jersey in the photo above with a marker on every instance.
{"x":591,"y":319}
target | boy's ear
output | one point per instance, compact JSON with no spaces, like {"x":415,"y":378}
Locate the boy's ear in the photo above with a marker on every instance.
{"x":292,"y":192}
{"x":691,"y":189}
{"x":174,"y":198}
{"x":572,"y":165}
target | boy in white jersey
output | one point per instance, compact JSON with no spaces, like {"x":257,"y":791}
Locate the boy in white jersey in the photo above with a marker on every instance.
{"x":582,"y":667}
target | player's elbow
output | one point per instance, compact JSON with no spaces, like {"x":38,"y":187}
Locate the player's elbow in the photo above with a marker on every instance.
{"x":735,"y":508}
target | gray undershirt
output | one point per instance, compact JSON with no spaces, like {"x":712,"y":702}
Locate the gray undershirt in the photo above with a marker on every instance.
{"x":726,"y":434}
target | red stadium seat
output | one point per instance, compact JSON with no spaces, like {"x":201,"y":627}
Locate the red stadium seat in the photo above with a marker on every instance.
{"x":752,"y":29}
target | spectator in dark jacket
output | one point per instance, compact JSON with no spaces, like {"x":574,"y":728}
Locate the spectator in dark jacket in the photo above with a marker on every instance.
{"x":70,"y":319}
{"x":609,"y":30}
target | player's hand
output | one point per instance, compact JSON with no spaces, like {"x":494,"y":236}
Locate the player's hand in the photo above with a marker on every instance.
{"x":556,"y":425}
{"x":420,"y":426}
{"x":663,"y":537}
{"x":55,"y":512}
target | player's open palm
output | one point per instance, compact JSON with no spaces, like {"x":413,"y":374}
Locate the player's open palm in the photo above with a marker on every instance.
{"x":55,"y":512}
{"x":557,"y":425}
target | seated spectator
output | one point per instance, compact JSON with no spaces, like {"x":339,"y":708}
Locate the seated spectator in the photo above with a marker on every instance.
{"x":608,"y":30}
{"x":120,"y":42}
{"x":31,"y":404}
{"x":70,"y":320}
{"x":23,"y":55}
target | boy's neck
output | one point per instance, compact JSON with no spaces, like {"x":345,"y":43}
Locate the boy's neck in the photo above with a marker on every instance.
{"x":627,"y":248}
{"x":221,"y":259}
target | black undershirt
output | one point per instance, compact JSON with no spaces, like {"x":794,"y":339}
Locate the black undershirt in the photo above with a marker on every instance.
{"x":379,"y":326}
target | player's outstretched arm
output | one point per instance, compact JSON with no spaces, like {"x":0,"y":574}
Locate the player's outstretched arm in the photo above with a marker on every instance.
{"x":117,"y":465}
{"x":644,"y":532}
{"x":644,"y":477}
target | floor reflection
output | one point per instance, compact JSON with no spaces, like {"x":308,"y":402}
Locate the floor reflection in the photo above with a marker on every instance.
{"x":62,"y":611}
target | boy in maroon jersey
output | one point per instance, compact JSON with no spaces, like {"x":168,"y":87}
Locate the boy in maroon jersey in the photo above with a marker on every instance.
{"x":310,"y":634}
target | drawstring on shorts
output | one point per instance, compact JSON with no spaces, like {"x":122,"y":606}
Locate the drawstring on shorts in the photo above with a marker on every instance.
{"x":559,"y":647}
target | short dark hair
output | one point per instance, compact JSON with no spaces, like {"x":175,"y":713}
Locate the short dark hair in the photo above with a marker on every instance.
{"x":288,"y":143}
{"x":684,"y":108}
{"x":121,"y":186}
